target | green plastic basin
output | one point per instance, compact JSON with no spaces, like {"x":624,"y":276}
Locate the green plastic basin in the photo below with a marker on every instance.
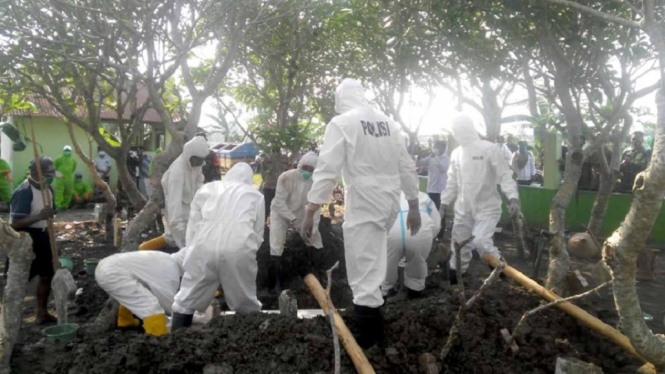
{"x":65,"y":332}
{"x":67,"y":263}
{"x":91,"y":265}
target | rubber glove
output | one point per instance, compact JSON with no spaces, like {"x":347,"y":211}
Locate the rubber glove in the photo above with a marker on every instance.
{"x":413,"y":222}
{"x":514,"y":208}
{"x":308,"y":222}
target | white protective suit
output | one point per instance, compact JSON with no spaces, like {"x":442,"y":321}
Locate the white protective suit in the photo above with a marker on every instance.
{"x":477,"y":166}
{"x":145,"y":282}
{"x":180,"y":183}
{"x":289,"y":205}
{"x":224,"y":233}
{"x":414,"y":248}
{"x":370,"y":152}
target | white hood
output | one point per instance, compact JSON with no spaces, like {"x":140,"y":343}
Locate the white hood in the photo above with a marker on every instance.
{"x":239,"y":173}
{"x":464,"y":130}
{"x":309,"y":159}
{"x":196,"y":147}
{"x":350,"y":95}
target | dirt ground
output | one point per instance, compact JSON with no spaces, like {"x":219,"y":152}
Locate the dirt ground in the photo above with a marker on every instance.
{"x":263,"y":343}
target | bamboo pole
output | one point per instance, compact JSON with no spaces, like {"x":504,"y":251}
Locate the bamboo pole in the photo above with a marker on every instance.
{"x":42,"y":188}
{"x":578,"y":313}
{"x":350,"y":345}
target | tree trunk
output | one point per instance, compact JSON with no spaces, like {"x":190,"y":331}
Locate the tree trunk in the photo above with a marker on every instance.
{"x":128,"y":181}
{"x":144,"y":219}
{"x":559,"y":258}
{"x":103,"y":186}
{"x":602,"y":199}
{"x":19,"y":247}
{"x":491,"y":112}
{"x":621,"y":250}
{"x":609,"y":173}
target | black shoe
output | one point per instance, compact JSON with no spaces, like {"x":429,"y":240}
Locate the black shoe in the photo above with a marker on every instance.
{"x":370,"y":326}
{"x":276,"y":267}
{"x":180,"y":321}
{"x":452,"y":276}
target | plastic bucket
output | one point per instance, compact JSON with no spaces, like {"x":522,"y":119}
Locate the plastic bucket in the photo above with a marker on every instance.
{"x":65,"y":332}
{"x":91,"y":265}
{"x":67,"y":263}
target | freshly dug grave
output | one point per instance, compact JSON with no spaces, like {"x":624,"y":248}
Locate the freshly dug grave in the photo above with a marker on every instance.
{"x":299,"y":259}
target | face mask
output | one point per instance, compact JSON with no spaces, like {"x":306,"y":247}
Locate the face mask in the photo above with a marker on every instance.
{"x":522,"y":148}
{"x":49,"y":180}
{"x":306,"y":174}
{"x":67,"y":153}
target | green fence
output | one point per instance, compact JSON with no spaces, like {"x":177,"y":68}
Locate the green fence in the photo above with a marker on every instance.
{"x":535,"y":202}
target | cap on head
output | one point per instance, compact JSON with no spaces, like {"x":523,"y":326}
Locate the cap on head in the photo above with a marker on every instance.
{"x":47,"y":166}
{"x":67,"y":148}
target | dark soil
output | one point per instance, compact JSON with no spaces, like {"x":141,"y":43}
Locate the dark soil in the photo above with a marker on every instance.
{"x":262,"y":343}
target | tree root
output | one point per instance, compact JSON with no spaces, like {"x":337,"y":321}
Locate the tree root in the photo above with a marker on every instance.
{"x":531,"y":312}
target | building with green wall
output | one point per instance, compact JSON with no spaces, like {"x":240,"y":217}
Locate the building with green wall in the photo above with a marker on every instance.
{"x":52,"y":136}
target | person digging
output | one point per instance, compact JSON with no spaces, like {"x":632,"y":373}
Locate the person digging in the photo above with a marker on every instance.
{"x":145,"y":284}
{"x":288,"y":211}
{"x":28,"y":214}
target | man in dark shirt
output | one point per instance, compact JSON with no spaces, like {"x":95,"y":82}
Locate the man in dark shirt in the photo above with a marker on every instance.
{"x":28,"y":214}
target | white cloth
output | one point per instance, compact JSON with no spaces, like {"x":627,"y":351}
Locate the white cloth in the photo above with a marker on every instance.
{"x":528,"y":171}
{"x":505,"y":152}
{"x":477,"y":166}
{"x":437,"y":173}
{"x":414,"y":248}
{"x":224,"y":233}
{"x":370,"y":152}
{"x":143,"y":281}
{"x":180,"y":183}
{"x":102,"y":165}
{"x":289,"y":205}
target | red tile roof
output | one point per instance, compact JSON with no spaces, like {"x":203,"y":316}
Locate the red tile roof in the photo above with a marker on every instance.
{"x":45,"y":109}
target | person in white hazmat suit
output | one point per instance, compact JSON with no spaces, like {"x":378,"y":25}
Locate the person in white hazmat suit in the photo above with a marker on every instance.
{"x":414,"y":249}
{"x":476,"y":168}
{"x":224,"y":233}
{"x":370,"y":152}
{"x":180,"y":182}
{"x":144,"y":283}
{"x":288,"y":210}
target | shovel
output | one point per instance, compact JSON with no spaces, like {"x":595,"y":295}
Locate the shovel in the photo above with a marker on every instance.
{"x":63,"y":284}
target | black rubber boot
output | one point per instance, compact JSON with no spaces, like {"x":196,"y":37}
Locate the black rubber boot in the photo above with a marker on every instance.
{"x":370,"y":326}
{"x":180,"y":321}
{"x":402,"y":295}
{"x":276,"y":272}
{"x":452,"y":276}
{"x":414,"y":294}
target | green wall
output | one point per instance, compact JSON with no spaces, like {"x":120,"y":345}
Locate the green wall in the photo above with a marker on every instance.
{"x":535,"y":203}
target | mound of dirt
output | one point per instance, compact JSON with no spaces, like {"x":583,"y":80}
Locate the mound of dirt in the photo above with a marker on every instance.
{"x":262,"y":343}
